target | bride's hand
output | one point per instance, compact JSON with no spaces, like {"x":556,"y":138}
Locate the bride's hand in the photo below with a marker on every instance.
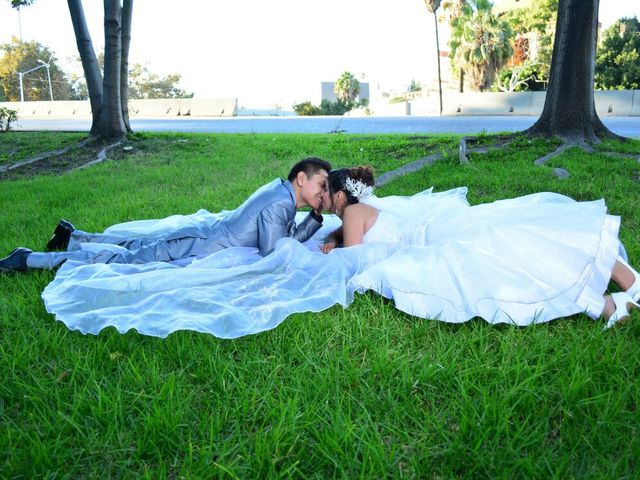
{"x":327,"y":247}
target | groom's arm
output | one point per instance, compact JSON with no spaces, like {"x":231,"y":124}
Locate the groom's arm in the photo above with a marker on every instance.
{"x":275,"y":222}
{"x":306,"y":228}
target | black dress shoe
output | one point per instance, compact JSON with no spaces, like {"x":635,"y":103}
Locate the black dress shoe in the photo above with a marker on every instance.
{"x":61,"y":236}
{"x":16,"y":261}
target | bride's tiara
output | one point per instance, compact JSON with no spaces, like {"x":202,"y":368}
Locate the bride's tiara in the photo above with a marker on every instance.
{"x":358,"y":189}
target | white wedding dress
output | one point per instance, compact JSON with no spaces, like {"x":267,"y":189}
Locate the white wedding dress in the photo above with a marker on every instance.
{"x":524,"y":260}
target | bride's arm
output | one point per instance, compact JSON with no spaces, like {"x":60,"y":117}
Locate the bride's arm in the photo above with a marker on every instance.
{"x":333,"y":240}
{"x":352,"y":230}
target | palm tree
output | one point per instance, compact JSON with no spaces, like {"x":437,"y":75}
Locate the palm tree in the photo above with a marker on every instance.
{"x":454,"y":7}
{"x":480,"y":43}
{"x":347,"y":88}
{"x":432,"y":6}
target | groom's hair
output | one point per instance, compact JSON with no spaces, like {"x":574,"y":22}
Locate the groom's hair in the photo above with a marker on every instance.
{"x":310,"y":166}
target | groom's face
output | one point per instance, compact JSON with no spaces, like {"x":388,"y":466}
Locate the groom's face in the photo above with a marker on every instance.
{"x":327,"y":204}
{"x":313,"y":188}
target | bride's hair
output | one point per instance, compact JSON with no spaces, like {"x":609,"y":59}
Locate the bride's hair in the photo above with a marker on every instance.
{"x":341,"y":177}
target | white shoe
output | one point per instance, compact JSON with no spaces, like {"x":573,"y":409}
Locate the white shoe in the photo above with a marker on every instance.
{"x":621,"y":301}
{"x":634,"y":290}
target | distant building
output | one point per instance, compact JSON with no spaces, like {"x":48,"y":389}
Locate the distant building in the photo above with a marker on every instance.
{"x":327,"y":92}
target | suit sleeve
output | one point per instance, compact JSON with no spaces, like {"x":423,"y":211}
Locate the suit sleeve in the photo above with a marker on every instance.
{"x":306,"y":228}
{"x":276,"y":222}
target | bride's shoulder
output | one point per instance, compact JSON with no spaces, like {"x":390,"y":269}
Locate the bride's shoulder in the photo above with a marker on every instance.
{"x":359,"y":211}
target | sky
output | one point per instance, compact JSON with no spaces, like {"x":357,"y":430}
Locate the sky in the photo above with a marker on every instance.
{"x":265,"y":53}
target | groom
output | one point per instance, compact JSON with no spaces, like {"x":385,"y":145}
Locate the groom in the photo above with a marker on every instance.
{"x":265,"y":217}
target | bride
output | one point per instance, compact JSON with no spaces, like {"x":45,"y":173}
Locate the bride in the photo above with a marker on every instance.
{"x":523,"y":260}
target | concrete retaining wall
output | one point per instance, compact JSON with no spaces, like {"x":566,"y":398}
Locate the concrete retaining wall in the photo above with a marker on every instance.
{"x":608,"y":103}
{"x":612,"y":103}
{"x":169,"y":107}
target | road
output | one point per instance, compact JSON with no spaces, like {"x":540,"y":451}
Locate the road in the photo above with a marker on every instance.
{"x":625,"y":126}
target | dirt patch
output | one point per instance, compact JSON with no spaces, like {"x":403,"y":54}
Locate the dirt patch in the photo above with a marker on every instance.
{"x":73,"y":158}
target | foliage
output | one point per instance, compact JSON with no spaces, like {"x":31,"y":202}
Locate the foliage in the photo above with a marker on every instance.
{"x":21,"y":3}
{"x":142,"y":83}
{"x":432,"y":5}
{"x":24,"y":56}
{"x":347,"y":88}
{"x":338,"y":107}
{"x":618,"y":56}
{"x":326,"y":107}
{"x":536,"y":24}
{"x":521,"y":78}
{"x":7,"y":116}
{"x":362,"y":392}
{"x":146,"y":84}
{"x":454,"y":8}
{"x":480,"y":43}
{"x":306,"y":108}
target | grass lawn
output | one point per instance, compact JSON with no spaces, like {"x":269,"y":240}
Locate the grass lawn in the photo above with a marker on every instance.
{"x":366,"y":392}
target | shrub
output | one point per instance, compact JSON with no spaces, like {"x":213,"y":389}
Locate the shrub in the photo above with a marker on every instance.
{"x":618,"y":56}
{"x":521,"y":78}
{"x":335,"y":108}
{"x":306,"y":108}
{"x":326,"y":108}
{"x":7,"y":116}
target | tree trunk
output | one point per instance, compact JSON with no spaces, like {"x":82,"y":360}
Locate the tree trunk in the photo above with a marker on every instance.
{"x":127,"y":8}
{"x":569,"y":109}
{"x":90,"y":63}
{"x":108,"y":92}
{"x":435,"y":17}
{"x":112,"y":106}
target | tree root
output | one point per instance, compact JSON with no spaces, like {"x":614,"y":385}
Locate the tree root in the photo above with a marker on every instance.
{"x":555,"y":153}
{"x":464,"y":147}
{"x":102,"y":155}
{"x":44,"y":156}
{"x":409,"y":168}
{"x":566,"y":144}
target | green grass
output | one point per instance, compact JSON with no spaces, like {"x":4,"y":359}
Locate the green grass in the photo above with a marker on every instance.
{"x":15,"y":146}
{"x":366,"y":392}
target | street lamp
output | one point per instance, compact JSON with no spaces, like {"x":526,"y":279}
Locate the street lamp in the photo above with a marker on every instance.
{"x":47,"y":65}
{"x":43,"y":65}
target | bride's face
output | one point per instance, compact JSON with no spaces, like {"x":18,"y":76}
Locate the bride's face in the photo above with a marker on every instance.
{"x":339,"y":200}
{"x":327,"y":203}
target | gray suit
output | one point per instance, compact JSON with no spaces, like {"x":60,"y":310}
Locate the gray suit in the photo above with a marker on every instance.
{"x":260,"y":221}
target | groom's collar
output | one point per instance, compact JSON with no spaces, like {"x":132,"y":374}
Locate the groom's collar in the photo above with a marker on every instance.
{"x":287,"y":184}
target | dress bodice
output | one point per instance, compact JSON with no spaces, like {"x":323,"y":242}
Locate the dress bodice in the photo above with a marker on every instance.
{"x":408,"y":220}
{"x":388,"y":229}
